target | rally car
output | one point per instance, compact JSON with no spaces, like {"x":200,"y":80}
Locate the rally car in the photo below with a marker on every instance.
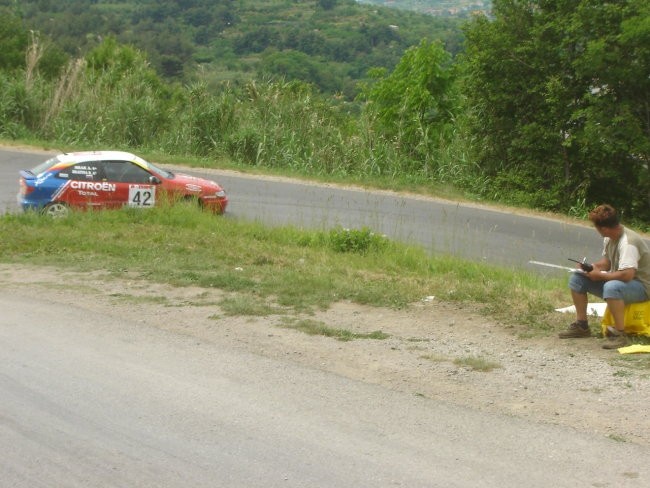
{"x":110,"y":179}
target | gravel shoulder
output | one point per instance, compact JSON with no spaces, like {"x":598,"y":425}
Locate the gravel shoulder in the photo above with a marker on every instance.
{"x":575,"y":384}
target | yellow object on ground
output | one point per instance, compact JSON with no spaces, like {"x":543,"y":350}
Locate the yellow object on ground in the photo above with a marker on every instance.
{"x":635,"y":348}
{"x":637,"y":318}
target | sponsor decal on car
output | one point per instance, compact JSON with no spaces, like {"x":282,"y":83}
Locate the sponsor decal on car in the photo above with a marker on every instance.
{"x":57,"y":194}
{"x":42,"y":178}
{"x":92,"y":185}
{"x":191,"y":187}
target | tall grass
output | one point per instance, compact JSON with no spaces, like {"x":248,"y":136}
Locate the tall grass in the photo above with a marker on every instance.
{"x":262,"y":124}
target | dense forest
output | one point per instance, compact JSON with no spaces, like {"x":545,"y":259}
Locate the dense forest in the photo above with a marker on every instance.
{"x":437,"y":7}
{"x":329,"y":43}
{"x":542,"y":103}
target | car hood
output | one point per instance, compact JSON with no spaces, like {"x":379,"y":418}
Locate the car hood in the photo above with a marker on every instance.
{"x":194,"y":183}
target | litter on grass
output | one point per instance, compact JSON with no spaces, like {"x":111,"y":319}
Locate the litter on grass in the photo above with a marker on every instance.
{"x":593,"y":309}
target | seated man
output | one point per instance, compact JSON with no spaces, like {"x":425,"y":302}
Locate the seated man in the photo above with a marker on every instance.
{"x":621,"y":276}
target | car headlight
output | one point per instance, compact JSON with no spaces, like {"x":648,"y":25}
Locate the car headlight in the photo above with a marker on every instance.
{"x":221,"y":194}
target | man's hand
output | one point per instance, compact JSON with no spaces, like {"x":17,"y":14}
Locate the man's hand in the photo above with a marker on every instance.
{"x":624,"y":275}
{"x":597,"y":275}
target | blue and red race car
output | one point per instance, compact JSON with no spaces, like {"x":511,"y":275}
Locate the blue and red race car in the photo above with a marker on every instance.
{"x":110,"y":179}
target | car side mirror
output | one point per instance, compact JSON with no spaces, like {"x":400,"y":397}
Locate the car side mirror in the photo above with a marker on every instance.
{"x":154,"y":180}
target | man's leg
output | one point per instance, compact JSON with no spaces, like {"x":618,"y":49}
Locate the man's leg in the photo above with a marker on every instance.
{"x":580,"y":286}
{"x":617,"y":309}
{"x":580,"y":302}
{"x":617,"y":294}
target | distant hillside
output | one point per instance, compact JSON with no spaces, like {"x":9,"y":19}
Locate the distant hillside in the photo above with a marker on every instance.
{"x":330,"y":43}
{"x":436,"y":7}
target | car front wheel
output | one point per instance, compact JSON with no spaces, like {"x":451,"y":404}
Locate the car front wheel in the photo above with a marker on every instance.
{"x":192,"y":201}
{"x":56,"y":210}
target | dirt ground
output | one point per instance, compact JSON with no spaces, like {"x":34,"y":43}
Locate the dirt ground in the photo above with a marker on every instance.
{"x":573,"y":383}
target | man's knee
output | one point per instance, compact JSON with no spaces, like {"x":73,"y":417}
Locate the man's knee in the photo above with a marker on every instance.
{"x":630,"y":292}
{"x":578,"y":283}
{"x":613,"y":289}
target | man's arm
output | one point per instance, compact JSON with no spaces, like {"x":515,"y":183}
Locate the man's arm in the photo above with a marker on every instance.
{"x":599,"y":274}
{"x":602,"y":264}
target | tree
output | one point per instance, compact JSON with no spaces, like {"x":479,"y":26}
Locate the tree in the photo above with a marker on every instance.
{"x":558,"y":96}
{"x":295,"y":65}
{"x":327,"y":4}
{"x":113,"y":62}
{"x":417,"y":100}
{"x":613,"y":115}
{"x":13,"y":41}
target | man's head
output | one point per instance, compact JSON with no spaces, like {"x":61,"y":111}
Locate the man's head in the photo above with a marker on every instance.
{"x":604,"y":216}
{"x":606,"y":220}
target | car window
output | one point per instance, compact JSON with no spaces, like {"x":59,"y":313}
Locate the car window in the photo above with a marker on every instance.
{"x":87,"y":171}
{"x":160,"y":172}
{"x":43,"y":167}
{"x":125,"y":172}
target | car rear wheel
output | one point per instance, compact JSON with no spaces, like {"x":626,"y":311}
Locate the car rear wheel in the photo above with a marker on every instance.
{"x":56,"y":210}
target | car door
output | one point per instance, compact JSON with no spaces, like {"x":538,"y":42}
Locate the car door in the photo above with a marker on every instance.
{"x":84,"y":186}
{"x":134,"y":185}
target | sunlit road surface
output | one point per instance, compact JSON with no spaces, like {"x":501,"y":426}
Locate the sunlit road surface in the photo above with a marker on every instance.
{"x":92,"y":400}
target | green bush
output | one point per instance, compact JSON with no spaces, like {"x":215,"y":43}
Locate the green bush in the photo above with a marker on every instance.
{"x":360,"y":241}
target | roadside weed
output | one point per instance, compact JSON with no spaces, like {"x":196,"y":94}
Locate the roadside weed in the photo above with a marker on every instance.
{"x":157,"y":300}
{"x":359,"y":241}
{"x":477,"y":363}
{"x":435,"y":358}
{"x":638,"y":362}
{"x":316,"y":327}
{"x":246,"y":305}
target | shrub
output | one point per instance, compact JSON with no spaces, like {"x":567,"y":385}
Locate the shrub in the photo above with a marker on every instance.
{"x":360,"y":241}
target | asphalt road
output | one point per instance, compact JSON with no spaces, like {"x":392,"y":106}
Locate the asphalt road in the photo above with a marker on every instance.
{"x":466,"y":231}
{"x":93,"y":400}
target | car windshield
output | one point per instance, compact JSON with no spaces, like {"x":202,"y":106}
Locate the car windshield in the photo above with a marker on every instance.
{"x":43,"y":167}
{"x":159,"y":171}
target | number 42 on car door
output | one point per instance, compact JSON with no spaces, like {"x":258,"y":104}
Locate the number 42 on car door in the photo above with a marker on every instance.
{"x":142,"y":196}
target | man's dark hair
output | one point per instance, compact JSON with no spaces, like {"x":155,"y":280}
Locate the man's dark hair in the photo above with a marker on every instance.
{"x":604,"y":216}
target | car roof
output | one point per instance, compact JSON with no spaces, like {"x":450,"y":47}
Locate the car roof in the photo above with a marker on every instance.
{"x":82,"y":156}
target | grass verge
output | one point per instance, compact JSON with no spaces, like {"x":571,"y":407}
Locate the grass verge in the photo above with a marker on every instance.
{"x":268,"y":270}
